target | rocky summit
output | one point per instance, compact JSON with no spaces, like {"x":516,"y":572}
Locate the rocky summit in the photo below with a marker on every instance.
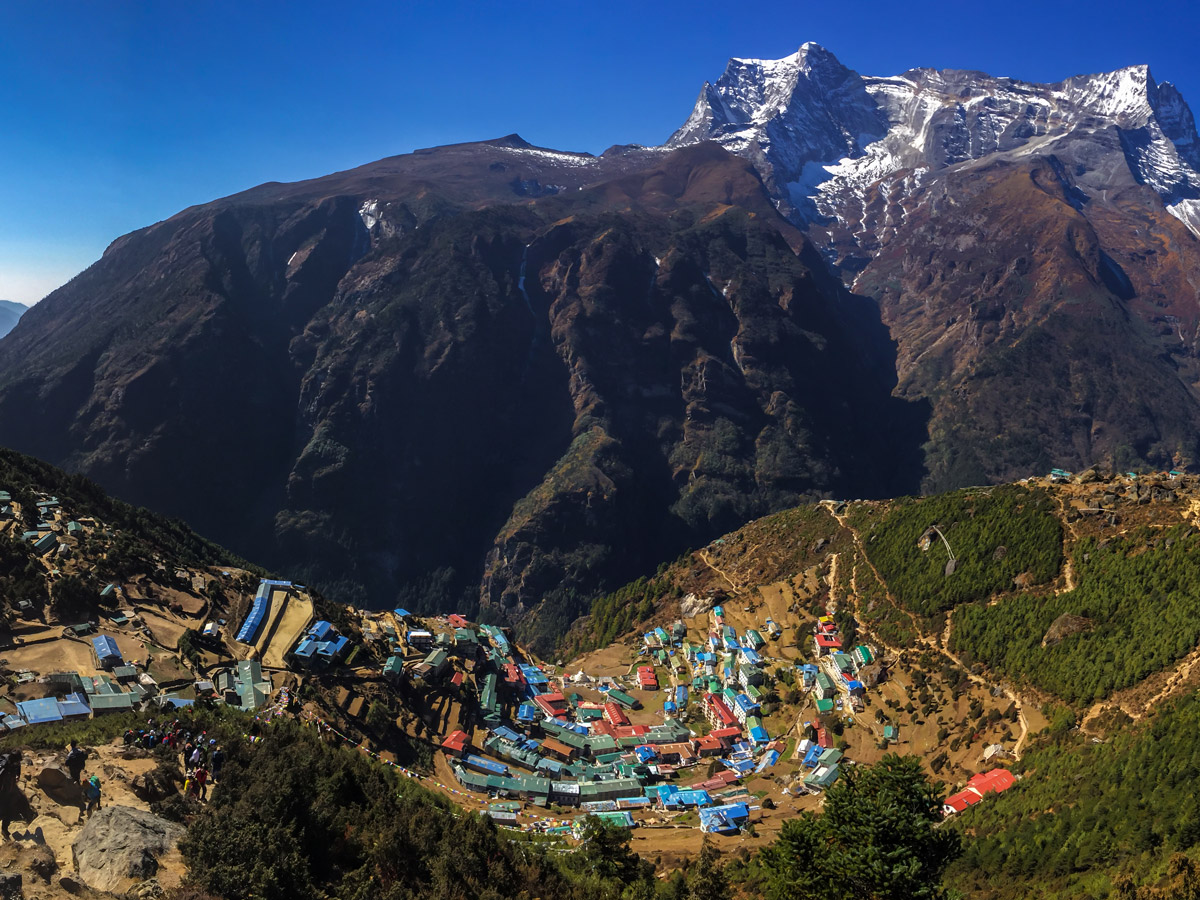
{"x":504,"y":376}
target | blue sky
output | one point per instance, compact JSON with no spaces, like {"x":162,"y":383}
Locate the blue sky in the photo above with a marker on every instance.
{"x":116,"y":115}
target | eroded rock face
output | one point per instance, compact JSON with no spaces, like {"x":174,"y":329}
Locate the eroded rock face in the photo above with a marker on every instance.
{"x":120,"y":846}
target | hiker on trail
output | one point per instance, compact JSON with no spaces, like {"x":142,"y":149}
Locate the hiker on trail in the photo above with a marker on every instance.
{"x":201,"y":777}
{"x":194,"y":759}
{"x":188,"y":747}
{"x":13,"y":804}
{"x":75,"y":761}
{"x":91,"y":793}
{"x":218,"y":760}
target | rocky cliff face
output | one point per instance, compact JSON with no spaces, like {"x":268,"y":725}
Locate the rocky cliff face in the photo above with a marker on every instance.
{"x":1033,"y":248}
{"x":491,"y":365}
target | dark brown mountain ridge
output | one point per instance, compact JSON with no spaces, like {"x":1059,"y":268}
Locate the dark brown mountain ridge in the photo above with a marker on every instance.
{"x":398,"y":392}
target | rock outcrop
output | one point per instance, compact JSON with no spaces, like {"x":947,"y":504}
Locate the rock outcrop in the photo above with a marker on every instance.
{"x":120,"y":846}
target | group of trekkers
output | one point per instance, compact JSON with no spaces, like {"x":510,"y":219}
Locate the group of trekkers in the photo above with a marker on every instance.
{"x":200,"y":755}
{"x":76,"y":761}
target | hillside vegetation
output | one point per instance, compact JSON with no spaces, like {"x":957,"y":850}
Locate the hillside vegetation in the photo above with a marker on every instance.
{"x":1084,"y":811}
{"x":996,"y":534}
{"x":1136,"y":608}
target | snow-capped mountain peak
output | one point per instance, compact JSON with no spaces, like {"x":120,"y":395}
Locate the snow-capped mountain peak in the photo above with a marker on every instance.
{"x":822,"y":135}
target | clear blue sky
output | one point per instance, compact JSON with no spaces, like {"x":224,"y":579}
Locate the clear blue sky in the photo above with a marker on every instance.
{"x":116,"y":115}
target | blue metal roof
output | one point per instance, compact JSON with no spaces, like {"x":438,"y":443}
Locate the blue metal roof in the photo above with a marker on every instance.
{"x":106,"y":647}
{"x":73,"y":706}
{"x":37,"y":712}
{"x":321,"y":631}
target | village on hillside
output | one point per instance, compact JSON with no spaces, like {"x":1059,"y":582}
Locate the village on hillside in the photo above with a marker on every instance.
{"x":683,"y":727}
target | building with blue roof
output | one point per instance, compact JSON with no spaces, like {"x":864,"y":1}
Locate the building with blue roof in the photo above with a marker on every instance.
{"x":672,"y":797}
{"x":321,"y":643}
{"x":725,"y":819}
{"x":74,"y":706}
{"x":107,"y":653}
{"x":259,"y":609}
{"x":39,"y":712}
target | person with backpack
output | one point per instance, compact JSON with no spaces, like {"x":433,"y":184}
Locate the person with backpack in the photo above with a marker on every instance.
{"x":91,"y":793}
{"x":218,"y":760}
{"x":10,"y":791}
{"x":201,"y":777}
{"x":76,"y":759}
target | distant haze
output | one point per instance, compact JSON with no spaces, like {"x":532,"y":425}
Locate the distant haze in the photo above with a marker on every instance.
{"x":10,"y":314}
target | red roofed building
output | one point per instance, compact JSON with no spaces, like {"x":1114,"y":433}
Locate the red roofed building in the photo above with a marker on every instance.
{"x":553,"y":705}
{"x":717,"y":712}
{"x":978,"y":786}
{"x":709,"y":746}
{"x":717,"y":782}
{"x":956,"y":803}
{"x":602,"y":727}
{"x":614,"y":715}
{"x":647,"y":678}
{"x":458,"y":621}
{"x":626,"y":731}
{"x":826,"y":644}
{"x":513,"y":677}
{"x":727,"y":736}
{"x":992,"y":782}
{"x":457,"y":744}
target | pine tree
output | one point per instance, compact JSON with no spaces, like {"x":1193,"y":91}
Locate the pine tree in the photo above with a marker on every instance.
{"x":707,"y":880}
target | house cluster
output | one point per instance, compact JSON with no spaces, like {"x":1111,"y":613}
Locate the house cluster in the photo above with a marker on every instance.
{"x":52,"y":536}
{"x":546,"y":743}
{"x":117,"y":687}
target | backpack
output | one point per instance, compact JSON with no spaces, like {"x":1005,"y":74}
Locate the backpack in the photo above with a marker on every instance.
{"x":91,"y":789}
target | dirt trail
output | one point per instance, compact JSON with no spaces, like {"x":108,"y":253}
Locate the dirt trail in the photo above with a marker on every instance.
{"x":942,"y":646}
{"x":1068,"y":584}
{"x":706,"y":558}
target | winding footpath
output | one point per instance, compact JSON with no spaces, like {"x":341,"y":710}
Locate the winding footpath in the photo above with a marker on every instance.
{"x":941,"y":646}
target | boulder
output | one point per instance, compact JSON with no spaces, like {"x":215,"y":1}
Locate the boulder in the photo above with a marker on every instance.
{"x":120,"y":846}
{"x":692,"y":606}
{"x":56,"y":782}
{"x":153,"y":785}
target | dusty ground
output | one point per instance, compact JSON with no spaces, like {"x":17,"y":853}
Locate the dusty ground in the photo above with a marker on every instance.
{"x":290,"y":619}
{"x":165,"y":630}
